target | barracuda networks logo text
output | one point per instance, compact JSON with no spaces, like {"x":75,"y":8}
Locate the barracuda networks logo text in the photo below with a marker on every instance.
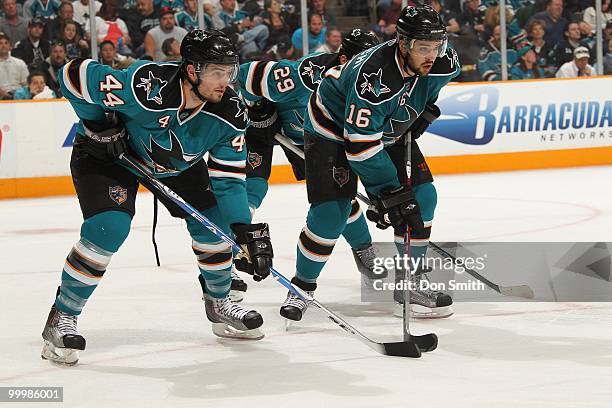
{"x":474,"y":117}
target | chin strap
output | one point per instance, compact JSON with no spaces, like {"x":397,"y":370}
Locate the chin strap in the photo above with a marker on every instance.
{"x":194,"y":88}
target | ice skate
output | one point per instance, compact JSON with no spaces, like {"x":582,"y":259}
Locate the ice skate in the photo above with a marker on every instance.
{"x":238,"y":288}
{"x":229,"y":319}
{"x":364,"y":258}
{"x":425,"y":303}
{"x":62,"y":341}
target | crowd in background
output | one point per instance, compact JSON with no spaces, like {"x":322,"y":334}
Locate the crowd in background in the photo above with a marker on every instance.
{"x":545,"y":38}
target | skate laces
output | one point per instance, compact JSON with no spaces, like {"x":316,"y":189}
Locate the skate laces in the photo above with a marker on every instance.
{"x":230,"y":309}
{"x":67,"y":324}
{"x":296,"y":301}
{"x":430,"y":293}
{"x":367,"y":256}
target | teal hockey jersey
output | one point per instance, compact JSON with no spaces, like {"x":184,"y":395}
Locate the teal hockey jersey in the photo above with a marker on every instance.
{"x":288,"y":84}
{"x":162,"y":134}
{"x":367,"y":103}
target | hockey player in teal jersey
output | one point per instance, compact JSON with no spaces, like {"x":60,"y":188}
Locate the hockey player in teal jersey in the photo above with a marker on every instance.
{"x":355,"y":125}
{"x":167,"y":116}
{"x":278,"y":94}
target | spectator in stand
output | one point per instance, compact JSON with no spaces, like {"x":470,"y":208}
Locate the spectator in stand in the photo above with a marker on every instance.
{"x":555,"y":22}
{"x":35,"y":89}
{"x":52,"y":65}
{"x":450,"y":19}
{"x":589,"y":16}
{"x":211,"y":16}
{"x":578,"y":67}
{"x":608,"y":59}
{"x":55,"y":27}
{"x":76,"y":46}
{"x":13,"y":71}
{"x":472,"y":20}
{"x":274,"y":19}
{"x":489,"y":64}
{"x":172,"y":50}
{"x":249,"y":37}
{"x":109,"y":27}
{"x":157,"y":35}
{"x":139,"y":22}
{"x":12,"y":25}
{"x":333,"y":39}
{"x":544,"y":51}
{"x":316,"y":35}
{"x":526,"y":67}
{"x":188,"y":18}
{"x":109,"y":56}
{"x":318,"y":7}
{"x":515,"y":34}
{"x":173,"y":4}
{"x":564,"y":51}
{"x":81,"y":11}
{"x":386,"y":25}
{"x":253,"y":7}
{"x":34,"y":49}
{"x":45,"y":9}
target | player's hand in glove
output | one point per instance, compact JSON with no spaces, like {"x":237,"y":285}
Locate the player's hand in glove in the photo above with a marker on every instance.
{"x":106,"y":139}
{"x":397,"y":208}
{"x":264,"y":119}
{"x":426,"y":118}
{"x":254,"y":239}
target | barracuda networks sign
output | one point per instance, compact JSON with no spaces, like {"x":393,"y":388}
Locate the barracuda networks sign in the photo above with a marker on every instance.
{"x":548,"y":111}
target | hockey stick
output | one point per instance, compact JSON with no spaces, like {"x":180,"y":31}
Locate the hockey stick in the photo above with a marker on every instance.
{"x":426,"y":342}
{"x":523,"y":291}
{"x":397,"y":349}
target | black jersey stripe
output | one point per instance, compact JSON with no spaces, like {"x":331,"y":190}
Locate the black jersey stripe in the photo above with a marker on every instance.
{"x":323,"y":120}
{"x":357,"y":148}
{"x":213,"y":165}
{"x":258,"y":78}
{"x":74,"y":74}
{"x":214,"y":259}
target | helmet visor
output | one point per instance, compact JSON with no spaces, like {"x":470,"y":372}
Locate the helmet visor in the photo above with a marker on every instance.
{"x":219,"y":72}
{"x":424,"y":48}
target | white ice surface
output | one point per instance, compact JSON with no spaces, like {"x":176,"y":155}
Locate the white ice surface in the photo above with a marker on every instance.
{"x":149,"y":343}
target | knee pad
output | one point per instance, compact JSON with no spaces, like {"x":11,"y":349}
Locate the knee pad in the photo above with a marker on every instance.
{"x":427,"y":197}
{"x":329,"y":218}
{"x":108,"y":229}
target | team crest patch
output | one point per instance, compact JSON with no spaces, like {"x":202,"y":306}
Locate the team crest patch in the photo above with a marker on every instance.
{"x":373,"y":83}
{"x":118,"y":194}
{"x":254,"y":159}
{"x":341,"y":175}
{"x":153,"y":86}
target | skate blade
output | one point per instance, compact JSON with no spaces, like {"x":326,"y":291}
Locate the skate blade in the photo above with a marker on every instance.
{"x":63,"y":356}
{"x":288,"y":324}
{"x":229,"y":332}
{"x":423,"y":312}
{"x":236,"y":296}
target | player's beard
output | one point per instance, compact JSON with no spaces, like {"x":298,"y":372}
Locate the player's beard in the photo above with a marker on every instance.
{"x":214,"y":95}
{"x":422,"y":69}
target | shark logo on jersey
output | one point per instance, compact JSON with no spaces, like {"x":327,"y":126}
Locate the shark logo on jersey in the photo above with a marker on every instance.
{"x":470,"y":118}
{"x":373,"y":83}
{"x":241,"y":112}
{"x":153,"y":86}
{"x":172,"y":159}
{"x":314,"y":71}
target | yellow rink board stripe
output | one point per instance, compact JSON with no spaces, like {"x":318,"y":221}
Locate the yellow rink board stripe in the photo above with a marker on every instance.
{"x":282,"y":174}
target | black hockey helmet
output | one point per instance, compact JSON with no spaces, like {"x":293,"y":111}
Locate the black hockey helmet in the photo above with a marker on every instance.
{"x":208,"y":47}
{"x":422,"y":23}
{"x":356,"y":41}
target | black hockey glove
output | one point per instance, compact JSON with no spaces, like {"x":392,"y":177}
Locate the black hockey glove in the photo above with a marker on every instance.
{"x":398,"y":207}
{"x":426,"y":118}
{"x":264,"y":119}
{"x":255,"y":242}
{"x":106,"y":140}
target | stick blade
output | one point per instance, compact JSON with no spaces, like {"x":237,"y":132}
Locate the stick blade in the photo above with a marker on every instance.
{"x":522,"y":291}
{"x":402,"y":349}
{"x":426,"y":342}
